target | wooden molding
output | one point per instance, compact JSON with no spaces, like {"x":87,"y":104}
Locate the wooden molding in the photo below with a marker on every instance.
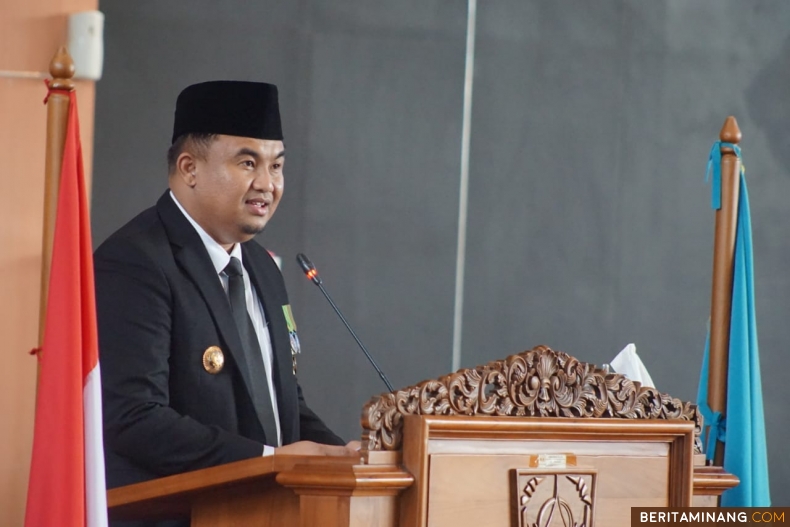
{"x":537,"y":383}
{"x":346,"y":480}
{"x":713,"y":481}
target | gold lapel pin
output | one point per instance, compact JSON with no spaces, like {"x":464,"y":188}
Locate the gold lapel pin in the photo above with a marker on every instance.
{"x":213,"y":360}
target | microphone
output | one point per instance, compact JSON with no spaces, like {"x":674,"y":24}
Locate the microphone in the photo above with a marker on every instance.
{"x":312,"y":273}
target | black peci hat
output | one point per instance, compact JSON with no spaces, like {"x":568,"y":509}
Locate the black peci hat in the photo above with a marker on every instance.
{"x":246,"y":109}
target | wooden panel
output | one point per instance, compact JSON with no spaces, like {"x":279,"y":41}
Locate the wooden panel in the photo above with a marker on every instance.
{"x":329,"y":511}
{"x":348,"y":511}
{"x":263,"y":505}
{"x":476,"y":489}
{"x":30,"y":33}
{"x":374,"y":511}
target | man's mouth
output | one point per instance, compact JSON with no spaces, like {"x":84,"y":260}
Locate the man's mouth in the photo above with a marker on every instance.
{"x":258,"y":206}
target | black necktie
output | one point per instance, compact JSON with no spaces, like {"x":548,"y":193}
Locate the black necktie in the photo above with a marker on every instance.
{"x":252,"y":351}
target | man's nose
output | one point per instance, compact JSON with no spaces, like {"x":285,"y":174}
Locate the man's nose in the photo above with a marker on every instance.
{"x":263,"y":181}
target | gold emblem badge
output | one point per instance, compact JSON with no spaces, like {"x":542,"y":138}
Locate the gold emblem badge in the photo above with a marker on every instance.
{"x":213,"y":359}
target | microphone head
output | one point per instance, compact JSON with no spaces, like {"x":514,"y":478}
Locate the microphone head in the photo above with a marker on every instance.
{"x":308,"y":268}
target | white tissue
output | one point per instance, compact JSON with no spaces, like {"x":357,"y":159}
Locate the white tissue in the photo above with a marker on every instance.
{"x":629,"y":364}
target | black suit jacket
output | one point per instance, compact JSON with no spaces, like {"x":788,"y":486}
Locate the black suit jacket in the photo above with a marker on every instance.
{"x":160,"y":305}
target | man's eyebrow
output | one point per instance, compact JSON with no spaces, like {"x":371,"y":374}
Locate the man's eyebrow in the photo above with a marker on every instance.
{"x":248,"y":152}
{"x":281,"y":154}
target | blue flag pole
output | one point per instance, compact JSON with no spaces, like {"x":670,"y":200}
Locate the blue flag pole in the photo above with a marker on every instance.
{"x":730,"y":390}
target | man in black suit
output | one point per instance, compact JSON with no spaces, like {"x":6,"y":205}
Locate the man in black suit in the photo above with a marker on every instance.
{"x":197,"y":342}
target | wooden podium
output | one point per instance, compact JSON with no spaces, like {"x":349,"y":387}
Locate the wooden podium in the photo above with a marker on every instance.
{"x":535,"y":439}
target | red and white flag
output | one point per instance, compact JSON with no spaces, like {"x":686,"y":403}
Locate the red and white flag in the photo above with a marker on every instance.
{"x":67,"y":487}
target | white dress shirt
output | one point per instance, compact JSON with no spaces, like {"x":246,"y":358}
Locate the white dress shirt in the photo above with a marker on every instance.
{"x":220,"y":259}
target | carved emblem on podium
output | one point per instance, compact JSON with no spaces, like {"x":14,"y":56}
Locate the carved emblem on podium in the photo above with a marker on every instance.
{"x":537,"y":383}
{"x":544,"y":498}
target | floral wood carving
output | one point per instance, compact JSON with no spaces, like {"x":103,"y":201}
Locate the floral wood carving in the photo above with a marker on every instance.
{"x":540,"y":382}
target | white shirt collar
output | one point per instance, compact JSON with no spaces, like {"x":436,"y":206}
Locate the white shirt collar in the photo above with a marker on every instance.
{"x":219,"y":256}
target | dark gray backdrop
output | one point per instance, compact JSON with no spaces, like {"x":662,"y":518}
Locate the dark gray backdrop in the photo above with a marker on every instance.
{"x":589,"y":221}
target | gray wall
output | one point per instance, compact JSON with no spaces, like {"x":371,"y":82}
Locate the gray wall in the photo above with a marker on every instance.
{"x":589,"y":220}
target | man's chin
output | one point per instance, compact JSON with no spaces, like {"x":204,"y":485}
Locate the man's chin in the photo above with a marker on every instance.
{"x":252,"y":230}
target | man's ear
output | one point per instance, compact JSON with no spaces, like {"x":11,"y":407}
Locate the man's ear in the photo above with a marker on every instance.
{"x":186,"y":166}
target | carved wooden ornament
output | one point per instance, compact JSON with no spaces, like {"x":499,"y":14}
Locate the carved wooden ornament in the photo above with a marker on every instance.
{"x":543,"y":499}
{"x":540,"y":382}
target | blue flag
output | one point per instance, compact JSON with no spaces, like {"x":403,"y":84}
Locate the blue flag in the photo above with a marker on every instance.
{"x":742,"y":429}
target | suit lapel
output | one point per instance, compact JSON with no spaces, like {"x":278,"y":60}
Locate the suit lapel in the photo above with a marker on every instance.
{"x":192,"y":257}
{"x":283,"y":376}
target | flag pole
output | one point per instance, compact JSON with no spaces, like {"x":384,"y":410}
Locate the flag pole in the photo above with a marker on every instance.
{"x":62,"y":70}
{"x":723,"y":262}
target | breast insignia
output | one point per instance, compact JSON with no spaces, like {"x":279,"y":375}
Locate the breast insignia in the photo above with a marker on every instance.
{"x":213,"y":360}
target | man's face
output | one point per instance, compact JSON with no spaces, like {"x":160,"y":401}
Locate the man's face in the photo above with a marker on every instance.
{"x":238,"y":186}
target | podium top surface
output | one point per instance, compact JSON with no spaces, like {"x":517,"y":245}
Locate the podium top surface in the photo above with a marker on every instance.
{"x":167,"y":494}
